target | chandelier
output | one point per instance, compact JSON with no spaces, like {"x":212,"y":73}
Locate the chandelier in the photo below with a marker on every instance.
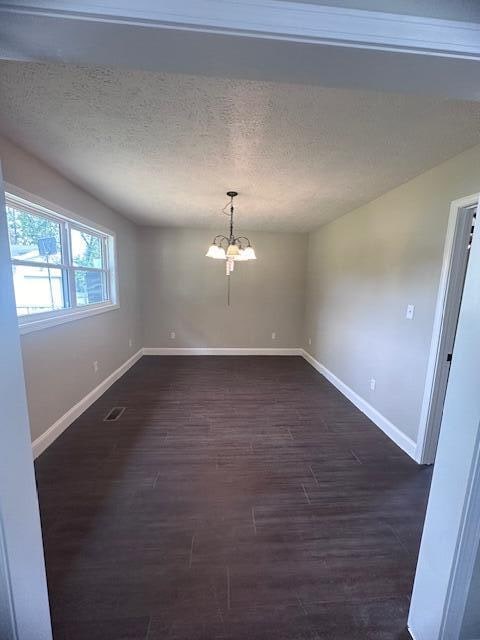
{"x":232,"y":249}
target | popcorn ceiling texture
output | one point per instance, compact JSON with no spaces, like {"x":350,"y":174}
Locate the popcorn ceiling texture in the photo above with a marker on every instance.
{"x":162,"y":149}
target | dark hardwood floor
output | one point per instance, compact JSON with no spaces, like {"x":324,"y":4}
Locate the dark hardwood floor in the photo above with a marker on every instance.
{"x":237,"y":498}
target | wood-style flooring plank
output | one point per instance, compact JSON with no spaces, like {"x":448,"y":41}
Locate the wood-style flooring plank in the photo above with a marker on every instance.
{"x":236,"y":498}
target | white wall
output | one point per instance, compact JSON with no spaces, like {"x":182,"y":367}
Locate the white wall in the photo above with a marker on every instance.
{"x":365,"y":268}
{"x":24,"y":600}
{"x":471,"y":620}
{"x":185,"y":292}
{"x":58,"y":361}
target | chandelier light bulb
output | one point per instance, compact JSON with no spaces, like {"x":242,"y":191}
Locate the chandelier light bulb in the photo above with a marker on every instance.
{"x":212,"y":251}
{"x":249,"y":254}
{"x":241,"y":256}
{"x":216,"y":252}
{"x":233,"y":251}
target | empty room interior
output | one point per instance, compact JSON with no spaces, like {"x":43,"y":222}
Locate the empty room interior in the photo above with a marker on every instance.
{"x":197,"y":448}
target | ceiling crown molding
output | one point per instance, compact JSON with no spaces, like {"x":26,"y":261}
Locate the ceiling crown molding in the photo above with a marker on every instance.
{"x":271,"y":19}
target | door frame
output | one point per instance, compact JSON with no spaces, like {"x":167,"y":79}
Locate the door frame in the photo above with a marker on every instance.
{"x":446,"y":314}
{"x":468,"y":545}
{"x":24,"y":605}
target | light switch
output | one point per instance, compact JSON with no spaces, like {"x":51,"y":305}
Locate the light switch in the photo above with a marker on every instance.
{"x":410,"y":312}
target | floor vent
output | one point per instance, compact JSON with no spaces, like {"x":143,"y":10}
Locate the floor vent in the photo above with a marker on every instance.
{"x":114,"y":414}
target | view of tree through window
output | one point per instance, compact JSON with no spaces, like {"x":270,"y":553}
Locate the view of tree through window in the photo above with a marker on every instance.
{"x":87,"y":252}
{"x":56,"y":264}
{"x":36,"y":240}
{"x":26,"y":232}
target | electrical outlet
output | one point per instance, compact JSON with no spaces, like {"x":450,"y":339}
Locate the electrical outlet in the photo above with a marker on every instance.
{"x":130,"y":343}
{"x":95,"y":366}
{"x":274,"y":335}
{"x":410,"y":312}
{"x":172,"y":335}
{"x":373,"y":384}
{"x":310,"y":341}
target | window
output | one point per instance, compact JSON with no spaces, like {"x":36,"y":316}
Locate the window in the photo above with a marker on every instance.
{"x":62,"y":268}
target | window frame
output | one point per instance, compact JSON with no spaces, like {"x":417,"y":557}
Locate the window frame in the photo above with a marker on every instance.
{"x":67,"y":220}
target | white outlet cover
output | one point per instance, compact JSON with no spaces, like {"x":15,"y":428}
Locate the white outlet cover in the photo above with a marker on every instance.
{"x":410,"y":312}
{"x":373,"y":384}
{"x":172,"y":335}
{"x":274,"y":335}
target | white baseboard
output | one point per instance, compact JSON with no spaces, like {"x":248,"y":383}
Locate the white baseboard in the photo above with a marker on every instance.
{"x":43,"y":441}
{"x":219,"y":351}
{"x":393,"y":432}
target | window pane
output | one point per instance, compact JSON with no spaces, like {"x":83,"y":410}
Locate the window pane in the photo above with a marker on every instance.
{"x":38,"y":289}
{"x":33,"y":237}
{"x":90,"y":287}
{"x":86,"y":249}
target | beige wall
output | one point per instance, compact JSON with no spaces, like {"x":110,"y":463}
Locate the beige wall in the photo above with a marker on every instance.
{"x":345,"y":286}
{"x":185,"y":292}
{"x":58,"y":361}
{"x":365,"y":268}
{"x":178,"y":290}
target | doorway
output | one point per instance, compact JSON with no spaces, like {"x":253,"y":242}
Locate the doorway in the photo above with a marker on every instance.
{"x":451,"y":535}
{"x":461,"y":227}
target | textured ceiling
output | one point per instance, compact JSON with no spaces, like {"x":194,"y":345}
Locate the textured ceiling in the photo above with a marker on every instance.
{"x":163,"y":149}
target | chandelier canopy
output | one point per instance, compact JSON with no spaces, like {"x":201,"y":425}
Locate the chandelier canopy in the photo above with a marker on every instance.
{"x":233,"y":248}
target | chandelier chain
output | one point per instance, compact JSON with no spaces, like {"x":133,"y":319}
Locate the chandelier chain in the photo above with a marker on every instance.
{"x":232,"y":248}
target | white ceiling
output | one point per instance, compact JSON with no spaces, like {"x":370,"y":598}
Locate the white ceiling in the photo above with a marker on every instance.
{"x":163,"y":149}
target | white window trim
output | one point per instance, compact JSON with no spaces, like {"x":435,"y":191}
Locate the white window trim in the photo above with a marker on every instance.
{"x":39,"y":321}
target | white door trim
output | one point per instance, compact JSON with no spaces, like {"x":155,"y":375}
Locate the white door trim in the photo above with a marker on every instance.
{"x":468,"y":545}
{"x":293,"y":42}
{"x":291,"y":21}
{"x":451,"y":534}
{"x":452,"y":271}
{"x":24,"y":607}
{"x":8,"y":623}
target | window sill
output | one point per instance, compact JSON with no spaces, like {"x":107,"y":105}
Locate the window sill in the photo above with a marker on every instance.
{"x":28,"y":326}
